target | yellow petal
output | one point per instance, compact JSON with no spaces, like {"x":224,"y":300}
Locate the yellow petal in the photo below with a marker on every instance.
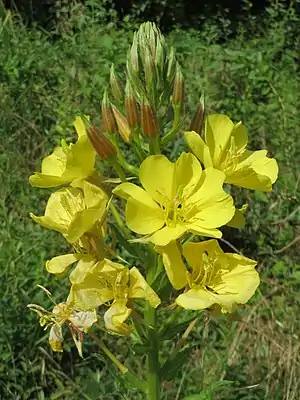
{"x":240,"y":136}
{"x":218,"y":129}
{"x":238,"y":220}
{"x":45,"y":181}
{"x":79,"y":127}
{"x":82,"y":268}
{"x":59,"y":264}
{"x":256,"y":171}
{"x":115,"y":316}
{"x":55,"y":163}
{"x":61,"y":207}
{"x":156,"y":176}
{"x":199,"y":148}
{"x":196,"y":298}
{"x":56,"y":338}
{"x":128,"y":190}
{"x":187,"y":175}
{"x":210,"y":207}
{"x":83,"y":221}
{"x":165,"y":235}
{"x":173,"y":263}
{"x":80,"y":160}
{"x":193,"y":252}
{"x":139,"y":288}
{"x":240,"y":281}
{"x":142,"y":218}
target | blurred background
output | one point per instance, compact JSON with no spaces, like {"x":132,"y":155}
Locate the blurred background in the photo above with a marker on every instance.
{"x":55,"y":58}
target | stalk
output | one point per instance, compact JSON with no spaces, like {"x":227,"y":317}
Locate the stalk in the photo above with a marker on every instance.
{"x":153,"y":367}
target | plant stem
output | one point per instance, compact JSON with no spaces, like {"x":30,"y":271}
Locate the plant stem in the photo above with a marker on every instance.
{"x":119,"y":220}
{"x":153,"y":367}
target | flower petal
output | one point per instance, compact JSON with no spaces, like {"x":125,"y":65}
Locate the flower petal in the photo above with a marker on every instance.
{"x":193,"y":252}
{"x":82,"y":268}
{"x":56,"y":338}
{"x":187,"y":175}
{"x":59,"y":264}
{"x":83,"y":320}
{"x":199,"y":148}
{"x":165,"y":235}
{"x":79,"y":126}
{"x":173,"y":263}
{"x":240,"y":281}
{"x":142,"y":218}
{"x":156,"y":176}
{"x":196,"y":298}
{"x":115,"y":316}
{"x":238,"y":220}
{"x":256,"y":171}
{"x":218,"y":129}
{"x":139,"y":288}
{"x":210,"y":207}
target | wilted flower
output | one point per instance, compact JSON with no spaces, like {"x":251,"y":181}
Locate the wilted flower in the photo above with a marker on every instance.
{"x":68,"y":162}
{"x":79,"y":323}
{"x":177,"y":198}
{"x":225,"y":149}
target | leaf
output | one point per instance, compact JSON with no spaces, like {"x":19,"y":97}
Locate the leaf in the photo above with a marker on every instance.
{"x":173,"y":365}
{"x":171,"y":331}
{"x":208,"y":393}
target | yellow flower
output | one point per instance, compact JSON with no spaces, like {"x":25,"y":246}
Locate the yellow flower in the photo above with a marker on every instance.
{"x":213,"y":277}
{"x":68,"y":162}
{"x":225,"y":149}
{"x":73,"y":211}
{"x":108,"y":281}
{"x":177,"y":198}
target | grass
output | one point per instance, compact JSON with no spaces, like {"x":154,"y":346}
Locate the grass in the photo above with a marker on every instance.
{"x":45,"y":81}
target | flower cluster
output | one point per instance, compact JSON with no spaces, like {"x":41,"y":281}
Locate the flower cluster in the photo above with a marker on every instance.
{"x":170,"y":208}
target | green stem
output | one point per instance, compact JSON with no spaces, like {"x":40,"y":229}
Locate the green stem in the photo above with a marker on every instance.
{"x":130,"y":168}
{"x":153,"y":367}
{"x":177,"y":124}
{"x":119,"y":220}
{"x":154,"y":145}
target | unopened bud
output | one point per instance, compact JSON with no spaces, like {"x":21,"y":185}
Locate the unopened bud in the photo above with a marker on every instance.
{"x":171,"y":65}
{"x":197,"y":123}
{"x":101,"y":144}
{"x":133,"y":55}
{"x":115,"y":85}
{"x":149,"y":69}
{"x":123,"y":126}
{"x":108,"y":118}
{"x":131,"y":107}
{"x":178,"y":90}
{"x":149,"y":123}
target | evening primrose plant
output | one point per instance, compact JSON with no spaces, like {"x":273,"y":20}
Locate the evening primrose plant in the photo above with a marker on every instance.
{"x":143,"y":241}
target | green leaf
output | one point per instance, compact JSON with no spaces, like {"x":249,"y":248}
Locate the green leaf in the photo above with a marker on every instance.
{"x":207,"y":394}
{"x":171,"y":331}
{"x":173,"y":365}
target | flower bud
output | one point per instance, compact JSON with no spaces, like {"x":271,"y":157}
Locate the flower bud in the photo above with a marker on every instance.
{"x":131,"y":107}
{"x":115,"y":85}
{"x":178,"y":89}
{"x":101,"y":144}
{"x":197,"y":123}
{"x":123,"y":126}
{"x":149,"y":69}
{"x":171,"y":65}
{"x":108,"y":118}
{"x":149,"y":123}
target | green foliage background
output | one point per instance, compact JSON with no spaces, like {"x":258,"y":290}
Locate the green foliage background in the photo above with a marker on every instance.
{"x":46,"y":78}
